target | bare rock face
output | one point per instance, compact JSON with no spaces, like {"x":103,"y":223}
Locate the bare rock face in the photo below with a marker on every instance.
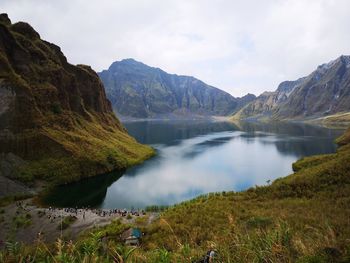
{"x":140,"y":91}
{"x":54,"y":114}
{"x":7,"y":99}
{"x":325,"y":91}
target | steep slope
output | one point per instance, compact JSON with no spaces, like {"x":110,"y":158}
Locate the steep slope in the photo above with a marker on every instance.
{"x":140,"y":91}
{"x":55,"y":120}
{"x":302,"y":218}
{"x":265,"y":104}
{"x":326,"y":91}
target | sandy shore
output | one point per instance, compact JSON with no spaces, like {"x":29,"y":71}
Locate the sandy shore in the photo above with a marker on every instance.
{"x":48,"y":221}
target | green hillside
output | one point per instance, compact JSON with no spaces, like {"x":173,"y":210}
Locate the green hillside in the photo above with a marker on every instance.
{"x":55,"y":120}
{"x":303,"y":217}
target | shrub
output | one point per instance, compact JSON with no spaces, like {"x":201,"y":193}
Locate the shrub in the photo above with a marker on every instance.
{"x":22,"y":221}
{"x":56,"y":108}
{"x":261,"y":222}
{"x":128,"y":216}
{"x":66,"y":222}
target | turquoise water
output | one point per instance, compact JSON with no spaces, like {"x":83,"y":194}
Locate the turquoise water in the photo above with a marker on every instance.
{"x":196,"y":157}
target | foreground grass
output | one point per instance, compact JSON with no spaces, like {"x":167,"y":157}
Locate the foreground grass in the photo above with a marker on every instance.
{"x":304,"y":217}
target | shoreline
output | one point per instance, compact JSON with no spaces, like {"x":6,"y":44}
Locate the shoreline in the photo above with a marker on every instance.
{"x":28,"y":234}
{"x":23,"y":221}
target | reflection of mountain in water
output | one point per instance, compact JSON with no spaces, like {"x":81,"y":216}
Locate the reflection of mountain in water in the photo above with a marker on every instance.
{"x":171,"y":133}
{"x":296,"y":139}
{"x":89,"y":192}
{"x":310,"y":147}
{"x":196,"y":157}
{"x":199,"y":148}
{"x":287,"y":128}
{"x":306,"y":139}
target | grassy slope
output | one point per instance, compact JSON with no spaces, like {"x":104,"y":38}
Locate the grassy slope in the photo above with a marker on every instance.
{"x":59,"y":120}
{"x":341,"y":119}
{"x":93,"y":149}
{"x":303,"y":217}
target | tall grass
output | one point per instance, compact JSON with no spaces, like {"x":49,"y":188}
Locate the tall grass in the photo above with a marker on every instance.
{"x":302,"y":218}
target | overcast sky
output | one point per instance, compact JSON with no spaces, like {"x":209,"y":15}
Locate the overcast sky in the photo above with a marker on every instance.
{"x":238,"y":46}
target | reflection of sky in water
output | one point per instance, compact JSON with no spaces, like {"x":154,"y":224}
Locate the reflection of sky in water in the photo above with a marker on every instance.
{"x":196,"y":158}
{"x":216,"y":162}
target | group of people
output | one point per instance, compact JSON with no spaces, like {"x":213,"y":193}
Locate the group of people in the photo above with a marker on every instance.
{"x":54,"y":212}
{"x":121,"y":212}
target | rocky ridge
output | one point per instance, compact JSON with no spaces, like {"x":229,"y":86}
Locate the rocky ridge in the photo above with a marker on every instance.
{"x":141,"y":91}
{"x":55,"y":116}
{"x":326,"y":91}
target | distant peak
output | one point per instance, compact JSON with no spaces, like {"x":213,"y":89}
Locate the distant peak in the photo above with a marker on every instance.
{"x":249,"y":95}
{"x":26,"y":30}
{"x":342,"y":59}
{"x":4,"y":18}
{"x":129,"y":60}
{"x":345,"y":59}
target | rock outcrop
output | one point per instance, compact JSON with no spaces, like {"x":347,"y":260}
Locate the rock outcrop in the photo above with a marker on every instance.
{"x":324,"y":92}
{"x":54,"y":115}
{"x":140,"y":91}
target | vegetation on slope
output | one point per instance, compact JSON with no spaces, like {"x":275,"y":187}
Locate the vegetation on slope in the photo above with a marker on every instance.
{"x":300,"y":218}
{"x":95,"y":149}
{"x":322,"y":95}
{"x":341,"y":119}
{"x":55,"y":120}
{"x":140,"y":91}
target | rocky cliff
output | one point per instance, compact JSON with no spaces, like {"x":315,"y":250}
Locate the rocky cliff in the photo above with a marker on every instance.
{"x":326,"y":91}
{"x":55,"y":120}
{"x":140,"y":91}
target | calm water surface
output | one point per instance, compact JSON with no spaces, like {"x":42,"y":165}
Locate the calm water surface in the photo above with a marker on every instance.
{"x":196,"y":157}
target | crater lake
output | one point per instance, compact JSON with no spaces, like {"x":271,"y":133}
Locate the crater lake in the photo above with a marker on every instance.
{"x":197,"y":157}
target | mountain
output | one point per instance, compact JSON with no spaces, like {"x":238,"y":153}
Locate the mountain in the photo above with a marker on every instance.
{"x":141,"y":91}
{"x":326,"y":91}
{"x":55,"y":120}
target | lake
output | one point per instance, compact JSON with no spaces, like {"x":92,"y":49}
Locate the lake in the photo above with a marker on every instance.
{"x":198,"y":157}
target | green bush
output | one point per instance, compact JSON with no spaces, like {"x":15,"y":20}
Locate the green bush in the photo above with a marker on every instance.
{"x":66,"y":222}
{"x":260,"y":222}
{"x":56,"y":108}
{"x":22,"y":221}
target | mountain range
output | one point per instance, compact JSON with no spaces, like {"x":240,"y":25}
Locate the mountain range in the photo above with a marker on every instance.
{"x":324,"y":92}
{"x":140,"y":91}
{"x":55,"y":120}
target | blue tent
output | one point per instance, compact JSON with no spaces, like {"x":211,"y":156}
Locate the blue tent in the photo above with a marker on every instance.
{"x":136,"y":233}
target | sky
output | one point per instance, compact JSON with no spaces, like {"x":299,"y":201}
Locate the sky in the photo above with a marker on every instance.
{"x":241,"y":47}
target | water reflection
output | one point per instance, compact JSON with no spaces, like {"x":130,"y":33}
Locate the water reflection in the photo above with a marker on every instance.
{"x":200,"y":157}
{"x":89,"y":192}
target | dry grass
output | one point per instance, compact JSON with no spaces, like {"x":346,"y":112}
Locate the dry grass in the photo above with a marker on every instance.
{"x":302,"y":218}
{"x":89,"y":149}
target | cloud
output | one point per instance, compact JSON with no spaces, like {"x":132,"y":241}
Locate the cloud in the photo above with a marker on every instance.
{"x":238,"y":46}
